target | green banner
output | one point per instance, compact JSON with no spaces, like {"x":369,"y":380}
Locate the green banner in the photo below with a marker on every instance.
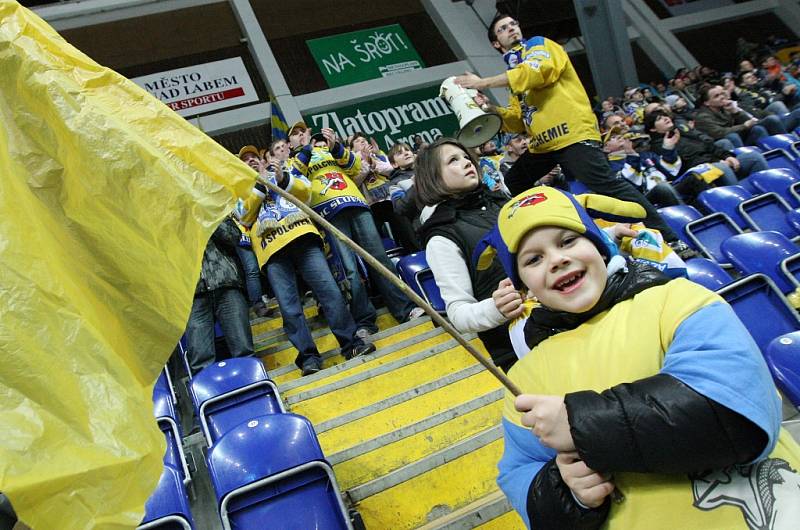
{"x":391,"y":119}
{"x":367,"y":54}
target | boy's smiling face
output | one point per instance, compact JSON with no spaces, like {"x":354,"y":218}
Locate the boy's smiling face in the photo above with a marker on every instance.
{"x":562,"y":269}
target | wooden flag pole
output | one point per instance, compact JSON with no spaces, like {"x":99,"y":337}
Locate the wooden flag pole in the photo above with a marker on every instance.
{"x":377,"y":266}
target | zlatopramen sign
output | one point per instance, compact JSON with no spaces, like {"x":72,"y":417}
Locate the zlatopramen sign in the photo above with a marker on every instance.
{"x":391,"y":119}
{"x":367,"y":54}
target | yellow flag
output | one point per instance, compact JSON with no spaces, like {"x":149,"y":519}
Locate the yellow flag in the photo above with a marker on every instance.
{"x":107,"y":199}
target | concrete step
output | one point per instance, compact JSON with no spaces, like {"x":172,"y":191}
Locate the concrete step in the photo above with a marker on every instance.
{"x":492,"y":511}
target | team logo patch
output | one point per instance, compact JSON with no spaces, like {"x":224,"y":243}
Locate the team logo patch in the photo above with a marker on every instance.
{"x":528,"y":200}
{"x":332,"y":181}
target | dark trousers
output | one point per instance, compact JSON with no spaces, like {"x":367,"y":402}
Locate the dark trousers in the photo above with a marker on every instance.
{"x":586,"y":162}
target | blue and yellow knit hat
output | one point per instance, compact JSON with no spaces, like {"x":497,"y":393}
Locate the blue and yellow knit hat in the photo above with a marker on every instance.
{"x":547,"y":206}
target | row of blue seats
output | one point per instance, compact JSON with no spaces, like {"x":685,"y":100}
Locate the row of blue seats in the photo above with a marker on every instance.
{"x":266,"y":465}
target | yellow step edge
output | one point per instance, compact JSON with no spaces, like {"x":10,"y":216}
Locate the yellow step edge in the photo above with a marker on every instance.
{"x":364,"y":393}
{"x":379,"y":361}
{"x":508,"y":521}
{"x":337,"y":359}
{"x":417,"y":409}
{"x":395,"y":455}
{"x":324,"y":343}
{"x":277,"y":322}
{"x":432,"y":494}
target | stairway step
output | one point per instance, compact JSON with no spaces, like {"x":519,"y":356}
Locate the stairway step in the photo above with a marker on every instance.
{"x":388,"y":341}
{"x":508,"y":521}
{"x":413,"y":447}
{"x":315,"y":322}
{"x":278,"y":341}
{"x":414,"y":406}
{"x":480,"y":514}
{"x":409,"y":498}
{"x":416,"y":348}
{"x":350,"y":395}
{"x":262,"y":325}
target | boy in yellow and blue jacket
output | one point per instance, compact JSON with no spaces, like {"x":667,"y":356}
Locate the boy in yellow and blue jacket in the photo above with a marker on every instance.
{"x":637,"y":387}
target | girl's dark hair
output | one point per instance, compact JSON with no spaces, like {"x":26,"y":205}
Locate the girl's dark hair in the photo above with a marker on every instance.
{"x":430,"y":187}
{"x":352,"y":138}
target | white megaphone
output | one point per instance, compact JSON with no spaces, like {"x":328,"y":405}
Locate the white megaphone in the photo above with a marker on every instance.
{"x":477,"y":125}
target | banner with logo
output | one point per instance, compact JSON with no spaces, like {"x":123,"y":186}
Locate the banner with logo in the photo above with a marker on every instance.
{"x":391,"y":119}
{"x":202,"y":88}
{"x":367,"y":54}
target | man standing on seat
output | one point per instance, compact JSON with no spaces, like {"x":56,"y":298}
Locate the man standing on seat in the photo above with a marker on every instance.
{"x":549,"y":102}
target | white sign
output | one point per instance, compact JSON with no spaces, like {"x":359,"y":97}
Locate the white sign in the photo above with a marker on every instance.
{"x":201,"y":88}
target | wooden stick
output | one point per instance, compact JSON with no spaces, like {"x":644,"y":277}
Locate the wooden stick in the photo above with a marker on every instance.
{"x":377,"y":266}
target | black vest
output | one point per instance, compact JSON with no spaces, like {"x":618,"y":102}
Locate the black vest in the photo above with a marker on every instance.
{"x":464,"y":221}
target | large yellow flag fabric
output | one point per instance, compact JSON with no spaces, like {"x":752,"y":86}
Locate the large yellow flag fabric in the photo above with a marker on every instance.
{"x":107,"y":199}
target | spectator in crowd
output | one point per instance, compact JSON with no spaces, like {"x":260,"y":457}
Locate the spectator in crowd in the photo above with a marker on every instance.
{"x":633,"y":381}
{"x":336,"y":197}
{"x":249,"y":154}
{"x":489,"y":164}
{"x":678,"y":87}
{"x":615,"y":121}
{"x":299,"y":135}
{"x":720,"y":117}
{"x":288,"y":246}
{"x":402,"y":190}
{"x":648,"y":172}
{"x":279,"y":150}
{"x":375,"y":182}
{"x":459,"y":212}
{"x":419,"y":143}
{"x":755,"y":99}
{"x":700,"y":154}
{"x":549,"y":102}
{"x":680,"y":109}
{"x":218,"y":297}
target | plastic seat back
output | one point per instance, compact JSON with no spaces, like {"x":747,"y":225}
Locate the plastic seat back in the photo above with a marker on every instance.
{"x":168,"y":507}
{"x":767,"y":212}
{"x":270,"y":473}
{"x":230,"y":392}
{"x":707,"y":273}
{"x":778,"y":158}
{"x":761,"y":307}
{"x":430,"y":291}
{"x":783,"y":359}
{"x":777,"y":181}
{"x":410,"y":267}
{"x":169,"y":423}
{"x":708,"y":233}
{"x":725,"y":199}
{"x":778,"y":141}
{"x":677,"y":217}
{"x":762,"y":252}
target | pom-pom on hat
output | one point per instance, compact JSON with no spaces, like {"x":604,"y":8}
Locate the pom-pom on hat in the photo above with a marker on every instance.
{"x":547,"y":206}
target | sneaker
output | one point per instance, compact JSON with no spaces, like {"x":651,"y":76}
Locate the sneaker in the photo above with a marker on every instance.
{"x":358,"y":351}
{"x":261,"y":310}
{"x":312,"y":365}
{"x":682,"y":250}
{"x":415,"y":313}
{"x":363,"y":333}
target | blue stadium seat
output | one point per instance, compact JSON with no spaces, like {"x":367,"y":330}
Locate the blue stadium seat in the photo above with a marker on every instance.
{"x":725,"y":199}
{"x":778,"y":158}
{"x":270,"y":472}
{"x":768,"y":212}
{"x":677,"y":217}
{"x":164,"y":384}
{"x":230,"y":392}
{"x":576,"y":187}
{"x":707,"y":273}
{"x":708,"y":233}
{"x":761,"y":307}
{"x":786,"y":142}
{"x":416,"y":273}
{"x":769,"y":253}
{"x":746,"y":149}
{"x":167,"y":508}
{"x":168,"y":422}
{"x":747,"y":184}
{"x":778,"y":181}
{"x":783,"y":359}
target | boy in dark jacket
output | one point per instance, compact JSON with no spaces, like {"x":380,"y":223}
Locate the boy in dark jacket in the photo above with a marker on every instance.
{"x":636,"y":383}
